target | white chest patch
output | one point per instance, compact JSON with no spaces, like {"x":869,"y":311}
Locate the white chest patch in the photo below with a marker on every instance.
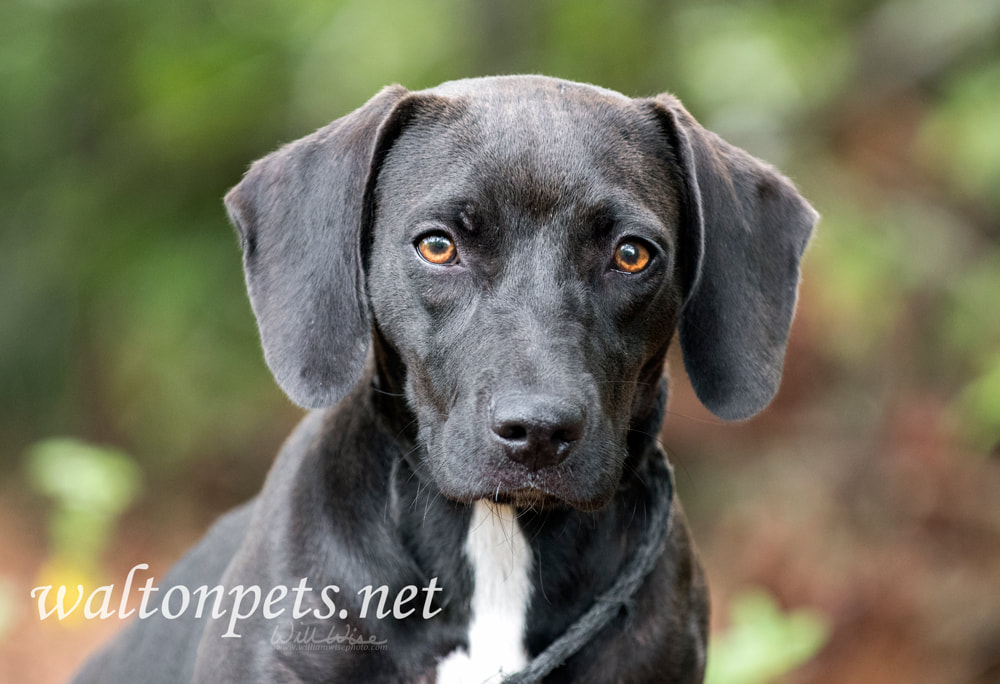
{"x":501,"y":560}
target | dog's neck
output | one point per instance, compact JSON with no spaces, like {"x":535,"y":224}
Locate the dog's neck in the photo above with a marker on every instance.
{"x":387,"y":378}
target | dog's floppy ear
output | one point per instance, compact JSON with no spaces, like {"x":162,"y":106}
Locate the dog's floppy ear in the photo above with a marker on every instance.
{"x":299,"y":213}
{"x":745,"y":227}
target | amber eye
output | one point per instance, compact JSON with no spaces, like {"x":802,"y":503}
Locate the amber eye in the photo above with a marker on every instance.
{"x":631,"y":256}
{"x":437,"y":249}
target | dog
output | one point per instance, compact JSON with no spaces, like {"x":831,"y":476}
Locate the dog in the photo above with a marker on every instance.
{"x":475,"y":287}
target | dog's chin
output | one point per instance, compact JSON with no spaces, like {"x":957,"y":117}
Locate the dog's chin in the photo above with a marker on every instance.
{"x":529,"y":498}
{"x":533,"y":499}
{"x":533,"y":492}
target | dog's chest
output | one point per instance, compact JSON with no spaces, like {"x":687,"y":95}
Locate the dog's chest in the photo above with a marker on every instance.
{"x":501,"y":561}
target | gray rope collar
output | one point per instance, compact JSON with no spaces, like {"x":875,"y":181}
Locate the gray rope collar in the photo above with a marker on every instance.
{"x":622,"y":593}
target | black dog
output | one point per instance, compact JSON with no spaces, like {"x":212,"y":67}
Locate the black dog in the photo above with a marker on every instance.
{"x":477,"y":284}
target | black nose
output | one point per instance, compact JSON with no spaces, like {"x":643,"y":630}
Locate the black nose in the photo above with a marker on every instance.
{"x":537,"y":430}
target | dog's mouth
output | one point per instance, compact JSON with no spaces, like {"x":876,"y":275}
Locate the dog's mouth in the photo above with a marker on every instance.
{"x":531,"y":491}
{"x":528,"y":497}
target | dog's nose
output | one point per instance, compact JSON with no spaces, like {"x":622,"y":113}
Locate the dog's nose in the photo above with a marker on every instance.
{"x":537,"y":430}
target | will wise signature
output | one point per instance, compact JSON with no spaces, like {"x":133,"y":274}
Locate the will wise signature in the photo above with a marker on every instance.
{"x":293,"y":633}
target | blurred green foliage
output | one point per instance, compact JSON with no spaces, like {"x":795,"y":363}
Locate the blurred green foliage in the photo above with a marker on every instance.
{"x":763,"y":643}
{"x":89,"y":487}
{"x":980,"y":402}
{"x":124,"y":123}
{"x":7,"y":596}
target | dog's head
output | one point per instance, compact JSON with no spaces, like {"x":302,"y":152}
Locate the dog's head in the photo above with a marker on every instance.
{"x":526,"y":247}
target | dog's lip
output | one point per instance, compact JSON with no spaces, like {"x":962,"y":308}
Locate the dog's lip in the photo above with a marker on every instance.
{"x":533,"y":498}
{"x":526,"y":496}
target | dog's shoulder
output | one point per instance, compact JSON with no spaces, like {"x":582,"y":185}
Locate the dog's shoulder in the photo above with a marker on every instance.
{"x":158,"y":649}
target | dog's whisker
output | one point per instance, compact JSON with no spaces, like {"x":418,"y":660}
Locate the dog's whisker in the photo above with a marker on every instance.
{"x":379,"y":390}
{"x":541,"y":578}
{"x":680,"y":463}
{"x":696,"y":419}
{"x":404,"y":429}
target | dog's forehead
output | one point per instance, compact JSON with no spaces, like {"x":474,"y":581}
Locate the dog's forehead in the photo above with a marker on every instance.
{"x":530,"y":86}
{"x":531,"y":143}
{"x":537,"y":116}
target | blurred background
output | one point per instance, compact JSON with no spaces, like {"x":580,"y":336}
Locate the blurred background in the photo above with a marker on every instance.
{"x":851,"y":533}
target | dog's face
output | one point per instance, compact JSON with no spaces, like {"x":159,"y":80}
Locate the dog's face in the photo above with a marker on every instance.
{"x":527,"y":248}
{"x":526,"y":287}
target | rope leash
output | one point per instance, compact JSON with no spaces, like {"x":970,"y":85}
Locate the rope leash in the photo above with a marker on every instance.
{"x":621,"y":593}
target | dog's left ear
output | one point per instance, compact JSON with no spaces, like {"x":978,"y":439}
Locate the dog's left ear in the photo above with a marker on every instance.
{"x":300,"y":214}
{"x":744,"y":230}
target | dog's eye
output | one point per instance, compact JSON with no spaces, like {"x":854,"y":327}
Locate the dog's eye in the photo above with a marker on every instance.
{"x":437,"y":249}
{"x":631,"y":256}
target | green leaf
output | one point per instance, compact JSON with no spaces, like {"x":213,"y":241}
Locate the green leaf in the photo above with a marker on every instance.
{"x":762,"y":642}
{"x":82,"y":476}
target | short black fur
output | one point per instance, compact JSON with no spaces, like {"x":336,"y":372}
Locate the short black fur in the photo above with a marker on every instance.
{"x":412,"y":366}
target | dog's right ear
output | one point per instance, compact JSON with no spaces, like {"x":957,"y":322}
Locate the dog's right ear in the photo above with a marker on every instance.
{"x":300,"y":214}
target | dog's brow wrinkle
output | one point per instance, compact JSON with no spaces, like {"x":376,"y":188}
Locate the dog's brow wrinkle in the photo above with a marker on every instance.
{"x":466,"y":221}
